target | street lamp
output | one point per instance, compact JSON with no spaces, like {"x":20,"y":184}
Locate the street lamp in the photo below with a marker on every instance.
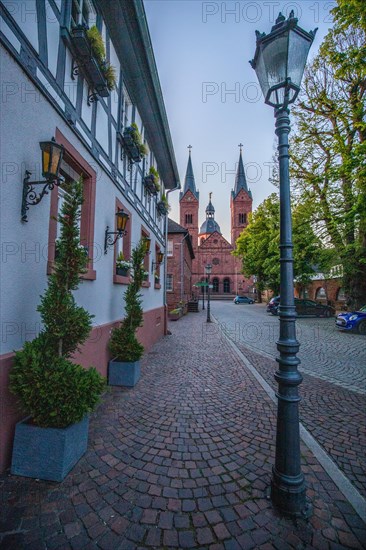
{"x":279,"y":62}
{"x":208,"y":269}
{"x":203,"y":295}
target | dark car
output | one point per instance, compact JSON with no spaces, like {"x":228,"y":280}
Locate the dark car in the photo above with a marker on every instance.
{"x":303,"y":307}
{"x":272,"y":306}
{"x":243,"y":300}
{"x":354,"y":320}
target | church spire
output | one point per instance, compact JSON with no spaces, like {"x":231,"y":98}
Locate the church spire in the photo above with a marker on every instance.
{"x":240,"y":180}
{"x":189,"y":183}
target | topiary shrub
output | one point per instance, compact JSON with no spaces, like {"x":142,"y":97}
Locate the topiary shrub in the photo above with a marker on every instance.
{"x":123,"y":344}
{"x":53,"y":390}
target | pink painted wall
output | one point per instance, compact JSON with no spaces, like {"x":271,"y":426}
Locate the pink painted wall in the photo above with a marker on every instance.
{"x":95,"y":353}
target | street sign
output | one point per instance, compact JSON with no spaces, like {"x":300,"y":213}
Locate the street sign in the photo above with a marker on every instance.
{"x":210,"y":286}
{"x":202,"y":284}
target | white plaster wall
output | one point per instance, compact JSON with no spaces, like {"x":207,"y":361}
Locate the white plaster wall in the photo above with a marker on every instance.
{"x":25,"y":15}
{"x":24,"y":246}
{"x":70,"y":87}
{"x":53,"y":34}
{"x":102,"y":127}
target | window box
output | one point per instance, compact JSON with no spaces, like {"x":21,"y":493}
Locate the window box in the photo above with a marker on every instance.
{"x":162,"y":208}
{"x":150,"y":185}
{"x":122,"y":271}
{"x":130,"y":146}
{"x":86,"y":61}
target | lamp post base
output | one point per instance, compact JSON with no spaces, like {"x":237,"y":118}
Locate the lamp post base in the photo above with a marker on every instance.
{"x":288,"y":495}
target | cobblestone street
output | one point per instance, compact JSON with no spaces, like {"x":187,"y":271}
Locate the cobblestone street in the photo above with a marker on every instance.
{"x":184,"y":460}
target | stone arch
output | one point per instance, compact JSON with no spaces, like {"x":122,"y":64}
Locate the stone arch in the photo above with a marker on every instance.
{"x":320,"y":293}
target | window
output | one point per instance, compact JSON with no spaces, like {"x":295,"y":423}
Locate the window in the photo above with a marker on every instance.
{"x":170,"y":249}
{"x":169,"y":282}
{"x":82,"y":13}
{"x":72,"y":167}
{"x":215,"y":284}
{"x":341,"y":295}
{"x":226,"y":286}
{"x":189,"y":218}
{"x":320,"y":294}
{"x":144,"y":235}
{"x":123,"y":244}
{"x":242,"y":218}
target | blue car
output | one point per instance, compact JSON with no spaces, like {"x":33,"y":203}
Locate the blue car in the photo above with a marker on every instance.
{"x":355,"y":320}
{"x":243,"y":300}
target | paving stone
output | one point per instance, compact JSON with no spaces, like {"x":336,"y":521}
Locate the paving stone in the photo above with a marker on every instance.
{"x":170,"y":465}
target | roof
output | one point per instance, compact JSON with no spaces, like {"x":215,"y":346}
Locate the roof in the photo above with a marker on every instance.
{"x":209,"y":226}
{"x":174,"y":228}
{"x":127,"y":25}
{"x":210,"y":207}
{"x":240,"y":179}
{"x":189,"y":182}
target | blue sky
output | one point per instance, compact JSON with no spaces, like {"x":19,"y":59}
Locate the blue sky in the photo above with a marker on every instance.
{"x":211,"y":94}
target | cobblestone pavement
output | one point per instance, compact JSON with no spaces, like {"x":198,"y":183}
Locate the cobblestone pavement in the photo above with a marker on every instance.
{"x":325,"y":352}
{"x":183,"y":460}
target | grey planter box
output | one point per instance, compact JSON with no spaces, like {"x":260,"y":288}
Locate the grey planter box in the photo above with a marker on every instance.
{"x":122,"y":373}
{"x":48,"y":453}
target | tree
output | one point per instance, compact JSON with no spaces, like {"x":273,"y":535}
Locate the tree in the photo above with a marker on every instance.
{"x":328,"y":149}
{"x":258,"y":245}
{"x":123,"y":343}
{"x":50,"y":387}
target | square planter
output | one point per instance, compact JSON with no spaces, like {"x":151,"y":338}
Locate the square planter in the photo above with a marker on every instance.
{"x":129,"y":145}
{"x":121,"y":373}
{"x":123,"y":271}
{"x":48,"y":453}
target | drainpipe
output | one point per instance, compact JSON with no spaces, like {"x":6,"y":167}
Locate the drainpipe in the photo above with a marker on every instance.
{"x":166,"y":261}
{"x":182,"y":267}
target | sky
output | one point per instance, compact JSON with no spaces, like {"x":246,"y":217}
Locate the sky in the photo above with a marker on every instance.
{"x":212,"y":97}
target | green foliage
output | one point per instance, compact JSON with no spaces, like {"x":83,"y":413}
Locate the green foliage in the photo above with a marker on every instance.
{"x":153,"y":171}
{"x":98,"y":49}
{"x":66,"y":324}
{"x":49,"y":386}
{"x":123,"y":344}
{"x":109,"y":73}
{"x":350,"y":12}
{"x":53,"y":390}
{"x":328,"y":148}
{"x":258,"y":245}
{"x":136,"y":136}
{"x":164,"y":200}
{"x":97,"y":44}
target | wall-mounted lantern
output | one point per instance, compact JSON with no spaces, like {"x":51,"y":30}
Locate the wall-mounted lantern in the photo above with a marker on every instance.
{"x":109,"y":239}
{"x":52,"y":154}
{"x":159,"y":261}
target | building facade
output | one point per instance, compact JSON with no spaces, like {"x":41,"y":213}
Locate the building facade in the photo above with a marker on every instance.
{"x":180,"y":256}
{"x":55,"y":86}
{"x":209,"y":245}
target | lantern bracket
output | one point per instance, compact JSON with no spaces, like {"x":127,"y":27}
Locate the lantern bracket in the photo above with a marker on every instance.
{"x":31,"y":197}
{"x":109,"y":241}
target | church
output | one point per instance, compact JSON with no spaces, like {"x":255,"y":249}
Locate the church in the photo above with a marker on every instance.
{"x":209,"y":245}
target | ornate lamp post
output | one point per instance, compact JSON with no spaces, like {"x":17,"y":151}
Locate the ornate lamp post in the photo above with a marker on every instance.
{"x":279,"y":62}
{"x":208,"y":269}
{"x":203,"y":297}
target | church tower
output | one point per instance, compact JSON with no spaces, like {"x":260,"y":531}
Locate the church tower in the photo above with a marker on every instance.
{"x":240,"y":202}
{"x":189,"y":204}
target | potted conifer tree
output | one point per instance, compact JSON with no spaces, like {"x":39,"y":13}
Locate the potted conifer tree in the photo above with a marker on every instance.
{"x":124,"y":368}
{"x":56,"y":393}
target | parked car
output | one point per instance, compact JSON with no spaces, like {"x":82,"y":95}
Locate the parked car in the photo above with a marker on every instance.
{"x":243,"y":300}
{"x":303,"y":307}
{"x":272,"y":306}
{"x":354,"y":320}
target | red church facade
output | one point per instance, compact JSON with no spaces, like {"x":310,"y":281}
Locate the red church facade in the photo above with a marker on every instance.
{"x":209,"y":245}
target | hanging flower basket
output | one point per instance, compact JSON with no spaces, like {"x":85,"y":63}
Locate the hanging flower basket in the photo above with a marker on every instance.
{"x":162,"y":208}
